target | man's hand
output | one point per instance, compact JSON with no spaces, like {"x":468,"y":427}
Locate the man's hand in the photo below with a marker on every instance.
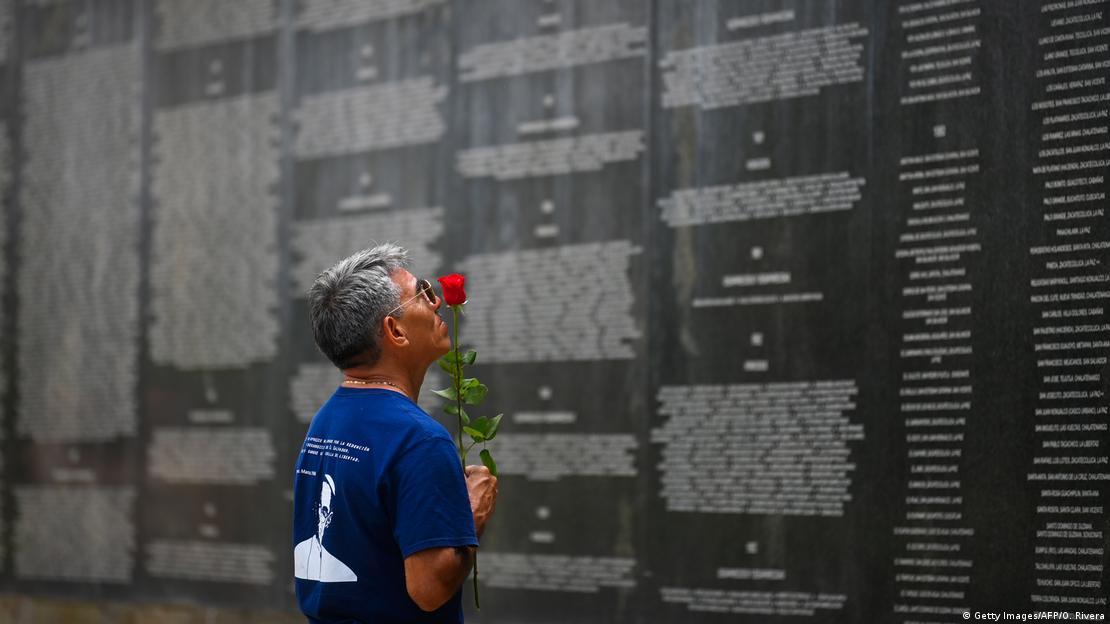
{"x":482,"y":487}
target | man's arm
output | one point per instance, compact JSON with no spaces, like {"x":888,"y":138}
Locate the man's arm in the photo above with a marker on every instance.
{"x":433,"y":575}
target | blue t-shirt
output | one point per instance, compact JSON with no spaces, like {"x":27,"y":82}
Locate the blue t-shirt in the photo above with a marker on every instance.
{"x":377,"y":480}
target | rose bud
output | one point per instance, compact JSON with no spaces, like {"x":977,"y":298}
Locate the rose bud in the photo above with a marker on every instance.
{"x":453,"y":292}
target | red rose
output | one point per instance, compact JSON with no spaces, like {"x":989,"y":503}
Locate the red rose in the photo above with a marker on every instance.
{"x":453,"y":292}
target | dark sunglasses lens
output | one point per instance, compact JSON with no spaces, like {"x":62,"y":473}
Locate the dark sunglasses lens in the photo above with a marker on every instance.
{"x":426,"y":287}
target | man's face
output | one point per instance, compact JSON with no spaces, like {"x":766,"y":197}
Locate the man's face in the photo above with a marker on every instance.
{"x":429,"y":337}
{"x":324,"y":511}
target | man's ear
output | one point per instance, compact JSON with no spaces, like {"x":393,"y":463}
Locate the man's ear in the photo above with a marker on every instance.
{"x":393,"y":332}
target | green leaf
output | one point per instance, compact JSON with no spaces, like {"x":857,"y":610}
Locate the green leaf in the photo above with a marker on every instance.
{"x":487,"y":426}
{"x":476,"y":434}
{"x":471,"y":387}
{"x":494,"y":424}
{"x":450,"y":357}
{"x":476,"y":394}
{"x":453,"y":409}
{"x":448,"y":367}
{"x":480,"y":425}
{"x":487,"y":459}
{"x":469,"y":357}
{"x":447,"y":393}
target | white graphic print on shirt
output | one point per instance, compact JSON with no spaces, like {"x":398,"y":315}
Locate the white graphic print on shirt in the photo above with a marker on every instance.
{"x":310,"y":560}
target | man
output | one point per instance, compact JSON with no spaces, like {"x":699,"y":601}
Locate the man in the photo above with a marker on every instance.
{"x":385,"y":520}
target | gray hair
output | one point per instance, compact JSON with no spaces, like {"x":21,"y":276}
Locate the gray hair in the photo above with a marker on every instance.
{"x":348,"y":302}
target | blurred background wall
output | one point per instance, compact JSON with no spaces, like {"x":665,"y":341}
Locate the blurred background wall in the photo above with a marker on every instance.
{"x":795,"y":308}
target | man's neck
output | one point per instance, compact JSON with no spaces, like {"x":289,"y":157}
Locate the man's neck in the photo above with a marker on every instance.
{"x":407,"y":382}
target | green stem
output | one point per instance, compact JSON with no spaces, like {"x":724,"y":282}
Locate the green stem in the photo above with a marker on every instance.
{"x":477,"y":605}
{"x":462,"y":447}
{"x":458,"y":383}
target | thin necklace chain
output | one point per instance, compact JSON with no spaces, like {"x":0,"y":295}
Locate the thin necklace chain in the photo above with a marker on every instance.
{"x":367,"y":383}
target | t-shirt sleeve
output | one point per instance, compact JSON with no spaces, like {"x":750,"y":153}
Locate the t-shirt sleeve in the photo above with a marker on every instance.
{"x":432,"y":504}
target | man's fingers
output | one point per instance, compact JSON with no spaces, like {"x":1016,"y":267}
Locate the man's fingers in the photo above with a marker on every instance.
{"x":475,"y":468}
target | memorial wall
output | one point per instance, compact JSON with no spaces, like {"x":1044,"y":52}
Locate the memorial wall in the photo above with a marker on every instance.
{"x":796,"y":309}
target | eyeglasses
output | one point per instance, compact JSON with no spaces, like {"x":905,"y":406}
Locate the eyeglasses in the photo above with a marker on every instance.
{"x":423,"y":287}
